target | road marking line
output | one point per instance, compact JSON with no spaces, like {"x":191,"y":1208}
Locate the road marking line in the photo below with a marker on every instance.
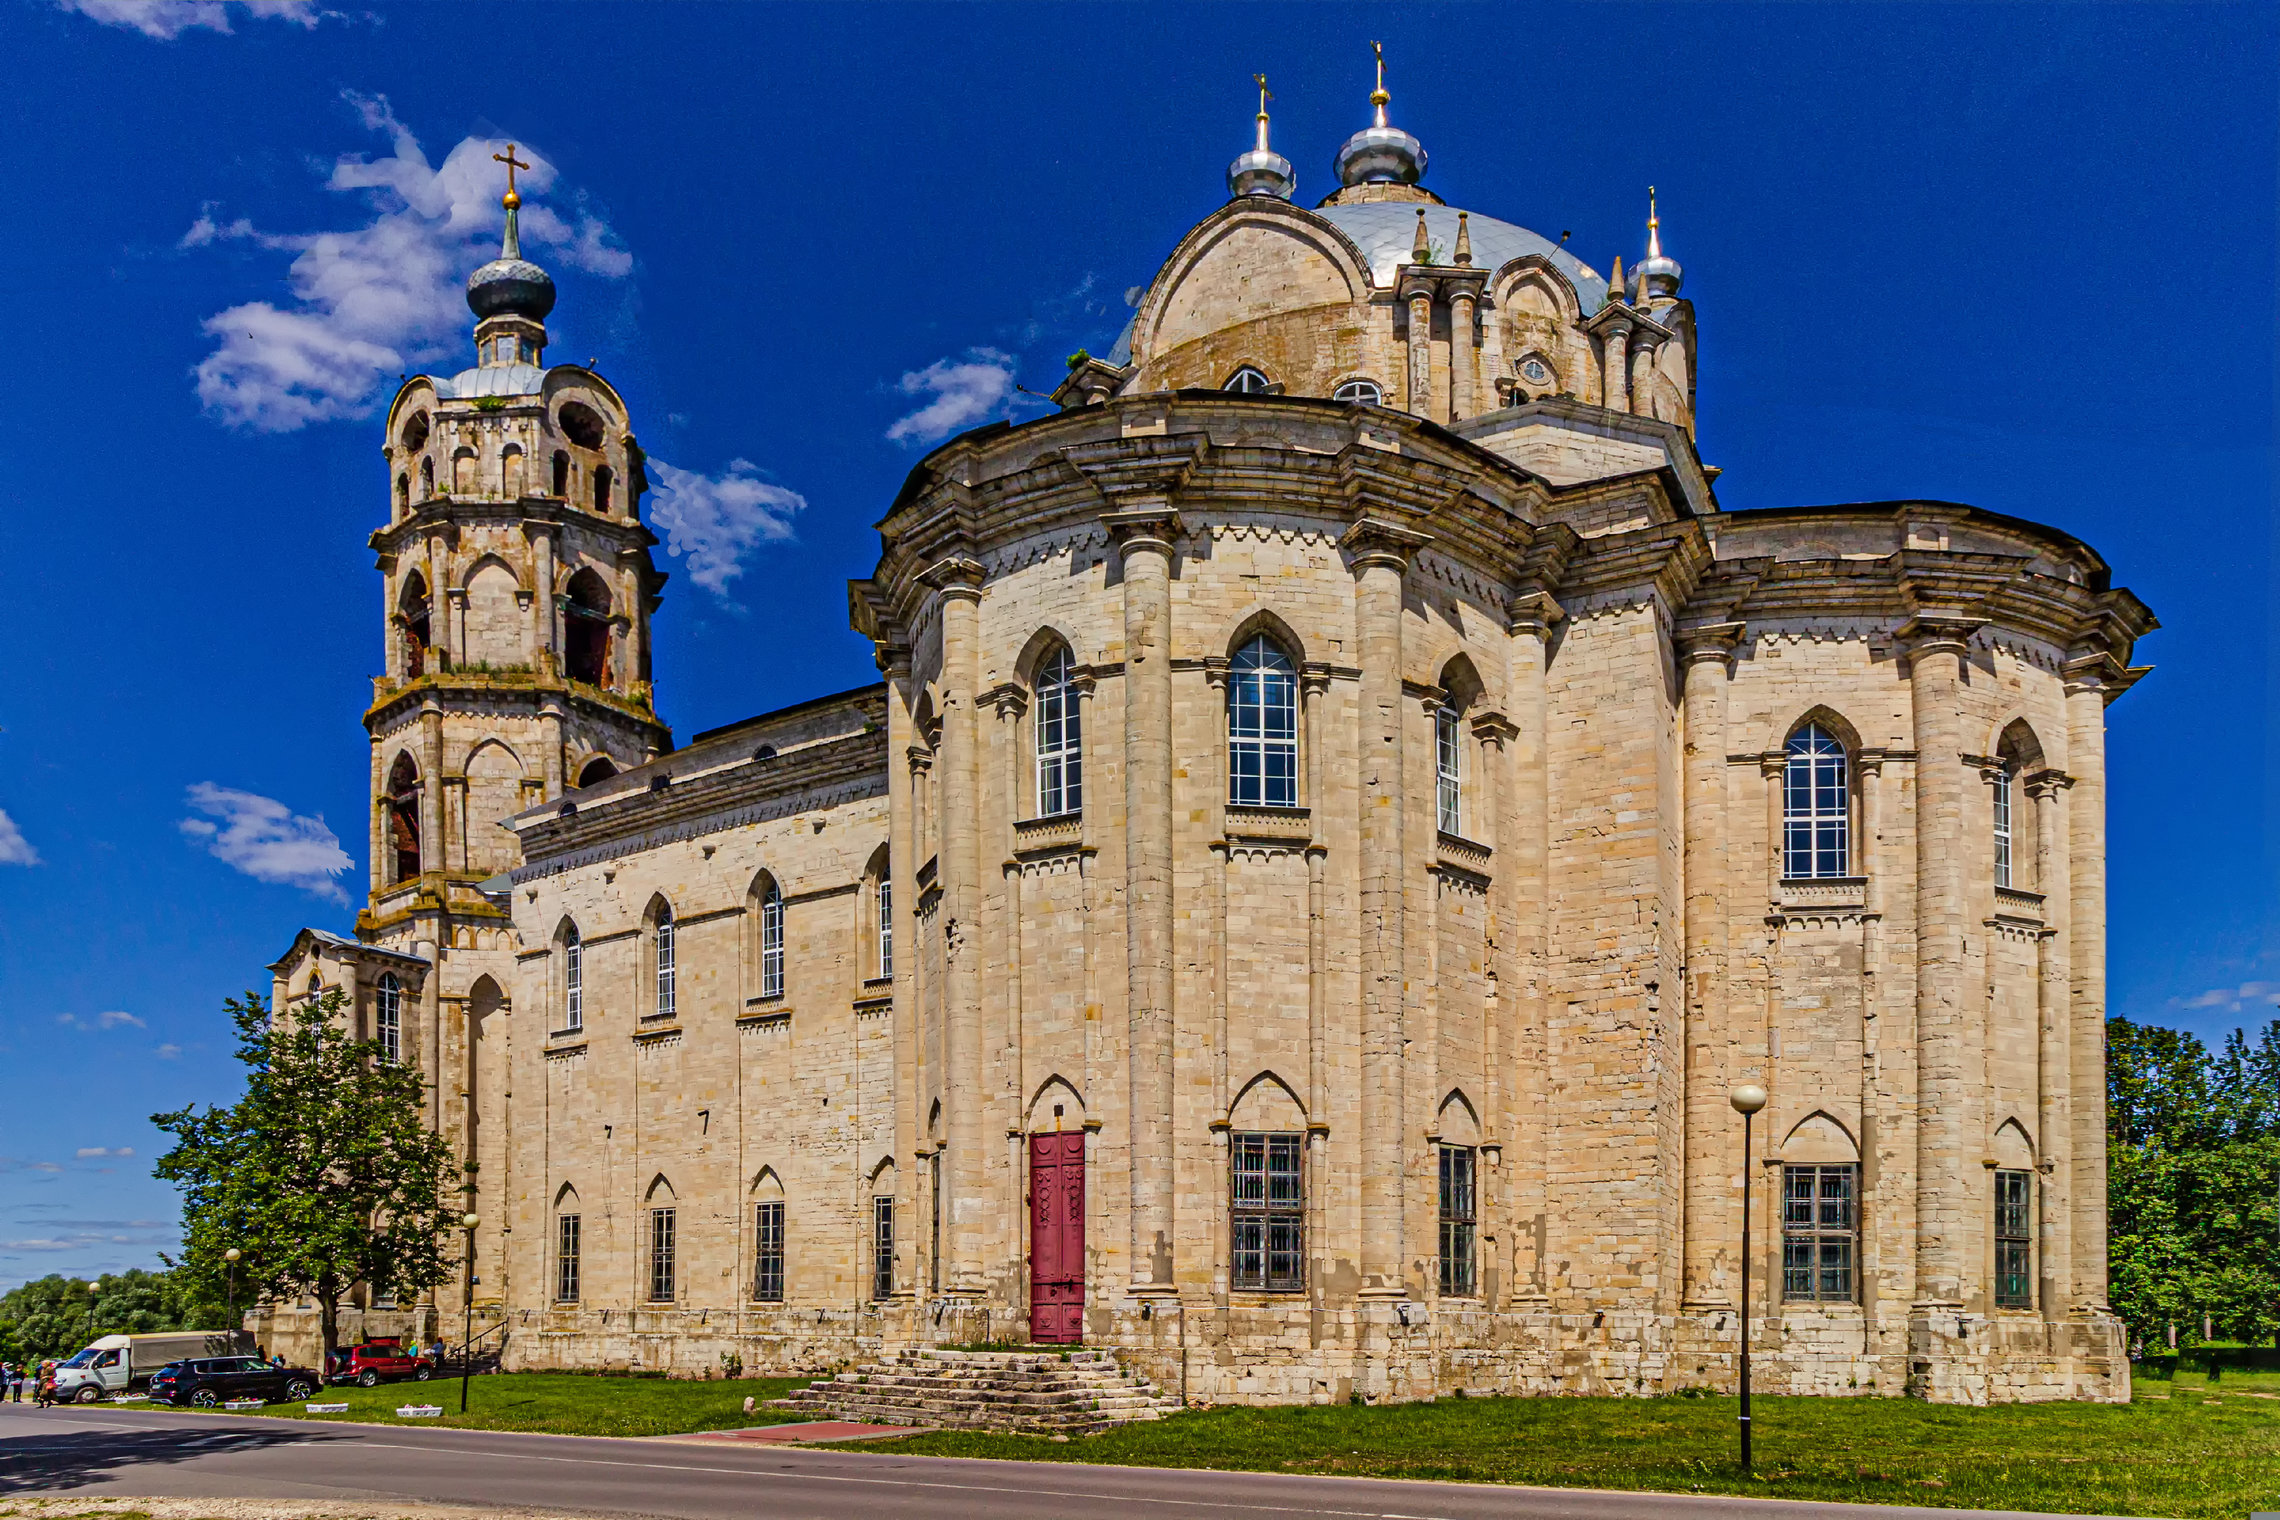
{"x":977,"y":1488}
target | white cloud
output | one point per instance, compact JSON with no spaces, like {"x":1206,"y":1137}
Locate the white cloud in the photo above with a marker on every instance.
{"x":384,"y":297}
{"x":267,"y":840}
{"x":168,"y":19}
{"x":168,"y":1052}
{"x":2231,"y":998}
{"x":713,"y":521}
{"x":96,"y":1152}
{"x":109,"y":1019}
{"x":960,"y":392}
{"x":15,"y":849}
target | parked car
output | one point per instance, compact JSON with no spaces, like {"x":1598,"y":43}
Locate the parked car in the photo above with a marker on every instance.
{"x":378,"y":1361}
{"x":120,"y":1363}
{"x":209,"y":1380}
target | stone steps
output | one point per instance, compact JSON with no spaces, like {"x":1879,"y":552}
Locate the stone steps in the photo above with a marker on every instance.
{"x":1081,"y":1393}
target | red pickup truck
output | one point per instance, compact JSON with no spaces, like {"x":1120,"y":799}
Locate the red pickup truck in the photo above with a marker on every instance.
{"x":378,"y":1360}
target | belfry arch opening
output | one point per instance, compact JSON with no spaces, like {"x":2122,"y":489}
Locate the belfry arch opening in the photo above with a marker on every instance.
{"x":412,"y":617}
{"x":403,"y":806}
{"x":586,"y":630}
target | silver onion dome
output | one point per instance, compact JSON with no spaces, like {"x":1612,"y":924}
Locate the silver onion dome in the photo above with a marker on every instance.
{"x":1659,"y":274}
{"x":1262,"y":171}
{"x":1381,"y":153}
{"x":511,"y":285}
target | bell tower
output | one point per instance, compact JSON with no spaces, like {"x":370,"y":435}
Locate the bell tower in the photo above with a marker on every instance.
{"x":516,"y":590}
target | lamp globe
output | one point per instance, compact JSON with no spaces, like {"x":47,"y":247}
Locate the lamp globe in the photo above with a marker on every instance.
{"x":1747,"y":1098}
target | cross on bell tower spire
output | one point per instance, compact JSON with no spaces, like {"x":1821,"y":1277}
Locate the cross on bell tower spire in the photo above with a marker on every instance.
{"x":510,"y":246}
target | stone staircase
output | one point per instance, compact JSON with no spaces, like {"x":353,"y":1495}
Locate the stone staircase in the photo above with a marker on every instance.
{"x":1033,"y":1392}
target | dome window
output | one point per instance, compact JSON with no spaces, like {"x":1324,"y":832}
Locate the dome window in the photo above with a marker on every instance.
{"x":1359,"y":393}
{"x":1248,"y":382}
{"x":1535,"y":371}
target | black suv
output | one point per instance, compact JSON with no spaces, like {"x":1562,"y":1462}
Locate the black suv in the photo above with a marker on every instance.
{"x":217,"y":1379}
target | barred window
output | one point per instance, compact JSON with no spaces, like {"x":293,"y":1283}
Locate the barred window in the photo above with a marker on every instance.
{"x":1060,"y":741}
{"x":883,"y":1247}
{"x":886,"y":926}
{"x":1247,"y":381}
{"x":2002,"y":791}
{"x":1819,"y":1230}
{"x":768,"y":1252}
{"x":1262,"y":727}
{"x":1460,"y":1216}
{"x":771,"y":941}
{"x":665,"y":978}
{"x":1448,"y":760}
{"x":388,"y":1018}
{"x":1268,"y":1216}
{"x":1816,"y":806}
{"x":565,"y":1258}
{"x":573,"y":981}
{"x":661,"y":1244}
{"x":1359,"y":393}
{"x":2014,"y":1240}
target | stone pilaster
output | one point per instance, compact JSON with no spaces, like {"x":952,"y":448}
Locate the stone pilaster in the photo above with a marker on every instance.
{"x":958,"y":583}
{"x":902,"y":868}
{"x":1418,"y":294}
{"x":1528,"y":1158}
{"x":2086,"y":695}
{"x":1617,"y":393}
{"x":1462,"y":353}
{"x":1708,"y":654}
{"x":2054,"y":1070}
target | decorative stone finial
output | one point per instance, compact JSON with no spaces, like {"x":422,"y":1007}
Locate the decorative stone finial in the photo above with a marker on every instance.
{"x":1262,"y":171}
{"x":1421,"y":251}
{"x":1464,"y":238}
{"x":1615,"y":283}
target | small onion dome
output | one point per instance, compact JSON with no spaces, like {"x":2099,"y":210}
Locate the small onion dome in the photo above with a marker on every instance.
{"x":511,"y":285}
{"x":1381,"y":153}
{"x":1262,"y":171}
{"x":1659,"y":274}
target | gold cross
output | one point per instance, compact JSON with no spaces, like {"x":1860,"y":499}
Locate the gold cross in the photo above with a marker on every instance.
{"x":513,"y":163}
{"x":1265,"y":94}
{"x":1379,"y":49}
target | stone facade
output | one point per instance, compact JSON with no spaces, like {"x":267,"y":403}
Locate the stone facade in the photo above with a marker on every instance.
{"x":1398,"y":1043}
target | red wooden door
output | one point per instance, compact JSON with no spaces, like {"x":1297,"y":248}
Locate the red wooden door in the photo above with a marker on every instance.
{"x":1057,"y":1238}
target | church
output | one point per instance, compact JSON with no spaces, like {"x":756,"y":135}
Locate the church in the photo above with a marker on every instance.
{"x":1342,"y":809}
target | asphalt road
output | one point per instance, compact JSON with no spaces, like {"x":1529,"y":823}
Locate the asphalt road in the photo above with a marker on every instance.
{"x":158,"y":1453}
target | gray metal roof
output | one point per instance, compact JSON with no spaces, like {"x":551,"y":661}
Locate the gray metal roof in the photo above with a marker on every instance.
{"x":1386,"y":231}
{"x":492,"y":380}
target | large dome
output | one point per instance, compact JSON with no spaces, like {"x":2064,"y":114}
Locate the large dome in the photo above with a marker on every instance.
{"x":1386,"y":231}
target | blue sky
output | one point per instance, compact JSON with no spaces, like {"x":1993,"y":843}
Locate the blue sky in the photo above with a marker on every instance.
{"x":2015,"y":255}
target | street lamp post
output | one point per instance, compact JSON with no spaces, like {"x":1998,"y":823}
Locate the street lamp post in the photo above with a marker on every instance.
{"x":1747,"y":1099}
{"x":467,"y":1327}
{"x":230,"y":1259}
{"x":91,"y":1287}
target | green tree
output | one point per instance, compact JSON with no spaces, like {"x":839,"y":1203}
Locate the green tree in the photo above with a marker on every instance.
{"x":53,"y":1315}
{"x":323,"y":1175}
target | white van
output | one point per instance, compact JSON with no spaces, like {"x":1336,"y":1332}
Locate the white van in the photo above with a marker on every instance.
{"x":118,"y":1363}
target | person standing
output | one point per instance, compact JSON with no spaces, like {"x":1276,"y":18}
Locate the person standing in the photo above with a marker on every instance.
{"x":8,"y":1382}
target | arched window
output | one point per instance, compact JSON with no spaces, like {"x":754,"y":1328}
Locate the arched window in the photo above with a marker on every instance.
{"x":1448,"y":770}
{"x":1816,"y":806}
{"x":412,"y":612}
{"x":404,"y":817}
{"x":1247,"y":382}
{"x":771,"y":939}
{"x":427,"y":480}
{"x":597,"y":771}
{"x":882,"y":925}
{"x":403,"y":494}
{"x":1262,"y":727}
{"x":1060,"y":744}
{"x":1360,"y":393}
{"x":586,"y":630}
{"x":2017,"y":754}
{"x":886,"y":896}
{"x":561,"y":473}
{"x":602,"y":490}
{"x":511,"y":473}
{"x":2001,"y":791}
{"x":388,"y":1018}
{"x":463,"y":473}
{"x":573,"y":980}
{"x":661,"y":932}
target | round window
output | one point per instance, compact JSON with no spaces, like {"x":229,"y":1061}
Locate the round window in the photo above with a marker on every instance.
{"x":1535,"y":370}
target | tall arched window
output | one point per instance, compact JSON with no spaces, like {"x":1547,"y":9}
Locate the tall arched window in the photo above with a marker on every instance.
{"x":1060,"y":744}
{"x":586,"y":630}
{"x":573,"y":980}
{"x":886,"y":895}
{"x":1262,"y":727}
{"x":1360,"y":393}
{"x":1816,"y":806}
{"x":561,"y":473}
{"x":1247,"y":382}
{"x":2002,"y":800}
{"x":412,"y":615}
{"x":404,"y":817}
{"x":771,"y":939}
{"x":388,"y":1018}
{"x":1448,"y":771}
{"x":602,"y":490}
{"x":427,"y":480}
{"x":662,"y":934}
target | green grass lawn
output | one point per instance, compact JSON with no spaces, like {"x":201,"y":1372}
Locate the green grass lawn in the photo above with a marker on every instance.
{"x":2178,"y":1450}
{"x":566,"y":1403}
